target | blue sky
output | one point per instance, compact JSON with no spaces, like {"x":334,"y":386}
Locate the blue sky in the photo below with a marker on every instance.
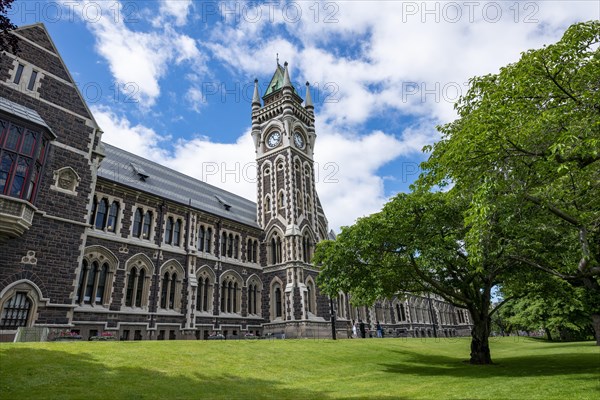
{"x":172,"y":80}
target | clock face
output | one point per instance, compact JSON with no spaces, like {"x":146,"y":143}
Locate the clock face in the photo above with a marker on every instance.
{"x":273,"y":139}
{"x":299,"y":140}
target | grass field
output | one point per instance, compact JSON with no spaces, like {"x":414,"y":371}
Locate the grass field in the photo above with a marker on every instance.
{"x":298,"y":369}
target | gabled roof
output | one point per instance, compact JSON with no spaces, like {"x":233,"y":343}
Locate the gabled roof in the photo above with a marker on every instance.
{"x":136,"y":172}
{"x":38,"y":34}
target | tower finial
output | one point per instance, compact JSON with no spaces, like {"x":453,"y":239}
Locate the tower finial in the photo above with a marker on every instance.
{"x":255,"y":97}
{"x":277,"y":59}
{"x":308,"y":103}
{"x":286,"y":76}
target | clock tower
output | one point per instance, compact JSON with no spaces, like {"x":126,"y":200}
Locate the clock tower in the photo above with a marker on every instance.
{"x":288,"y":207}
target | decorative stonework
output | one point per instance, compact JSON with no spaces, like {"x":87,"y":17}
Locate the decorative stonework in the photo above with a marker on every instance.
{"x":158,"y":255}
{"x":124,"y":249}
{"x":16,"y":216}
{"x":66,"y":180}
{"x":29,"y":258}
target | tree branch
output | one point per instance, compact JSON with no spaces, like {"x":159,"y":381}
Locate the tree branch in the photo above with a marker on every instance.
{"x":554,"y":210}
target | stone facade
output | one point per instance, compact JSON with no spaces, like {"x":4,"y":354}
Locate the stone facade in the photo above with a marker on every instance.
{"x":101,"y":240}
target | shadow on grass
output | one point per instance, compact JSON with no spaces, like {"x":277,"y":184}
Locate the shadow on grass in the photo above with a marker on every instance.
{"x":549,"y":364}
{"x":52,"y":374}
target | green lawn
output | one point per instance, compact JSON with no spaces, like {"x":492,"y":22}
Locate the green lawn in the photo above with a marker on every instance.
{"x":298,"y":369}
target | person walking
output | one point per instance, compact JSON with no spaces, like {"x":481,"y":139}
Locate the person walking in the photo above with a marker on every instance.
{"x":379,"y":330}
{"x":354,"y":333}
{"x":363,"y":332}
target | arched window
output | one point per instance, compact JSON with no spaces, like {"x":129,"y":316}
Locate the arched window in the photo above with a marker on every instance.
{"x":236,"y":247}
{"x":170,"y":292}
{"x":306,"y":248}
{"x":136,"y":289}
{"x":311,"y":298}
{"x":201,"y":238}
{"x":137,"y":222}
{"x":276,"y":249}
{"x":299,"y":205}
{"x":101,"y":214}
{"x":230,"y":246}
{"x":141,"y":289}
{"x":254,"y":296}
{"x":177,"y":233}
{"x":16,"y":311}
{"x":278,"y":303}
{"x":204,"y":291}
{"x":224,"y":244}
{"x":208,"y":244}
{"x":401,"y":312}
{"x":131,"y":280}
{"x":94,"y":209}
{"x":94,"y":281}
{"x":281,"y":202}
{"x":230,"y":294}
{"x":267,"y":206}
{"x":249,"y":250}
{"x":147,"y":225}
{"x":169,"y":231}
{"x":138,"y":276}
{"x":165,"y":290}
{"x":255,"y":251}
{"x":113,"y":213}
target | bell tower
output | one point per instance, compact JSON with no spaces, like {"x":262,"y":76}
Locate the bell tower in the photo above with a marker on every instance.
{"x":288,"y":207}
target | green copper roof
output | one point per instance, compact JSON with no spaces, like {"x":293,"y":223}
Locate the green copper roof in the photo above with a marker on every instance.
{"x":276,"y":82}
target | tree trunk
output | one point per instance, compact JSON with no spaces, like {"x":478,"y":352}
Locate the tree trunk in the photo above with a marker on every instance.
{"x":596,"y":325}
{"x":548,"y":334}
{"x":480,"y":347}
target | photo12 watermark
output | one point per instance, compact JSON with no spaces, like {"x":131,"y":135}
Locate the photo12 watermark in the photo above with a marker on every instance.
{"x":292,"y":12}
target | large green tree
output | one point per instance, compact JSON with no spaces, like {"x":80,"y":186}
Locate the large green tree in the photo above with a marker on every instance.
{"x":527,"y":146}
{"x":549,"y":304}
{"x":416,"y":244}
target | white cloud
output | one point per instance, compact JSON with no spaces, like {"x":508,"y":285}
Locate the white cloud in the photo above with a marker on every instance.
{"x":373,"y":51}
{"x":137,"y":58}
{"x":388,"y":60}
{"x":120,"y":132}
{"x":176,"y":8}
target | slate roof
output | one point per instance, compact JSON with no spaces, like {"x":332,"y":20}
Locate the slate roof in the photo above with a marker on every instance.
{"x":136,"y":172}
{"x":24,"y":113}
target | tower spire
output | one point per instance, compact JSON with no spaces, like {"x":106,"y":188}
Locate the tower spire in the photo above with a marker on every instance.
{"x":286,"y":76}
{"x":255,"y":97}
{"x":308,"y":103}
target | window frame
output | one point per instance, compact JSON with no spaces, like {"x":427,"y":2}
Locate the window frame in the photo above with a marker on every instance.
{"x":35,"y":157}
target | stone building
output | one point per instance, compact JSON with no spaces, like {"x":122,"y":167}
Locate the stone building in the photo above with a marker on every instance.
{"x":95,"y":239}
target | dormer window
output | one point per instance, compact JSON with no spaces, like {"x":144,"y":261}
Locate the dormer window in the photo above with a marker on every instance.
{"x":140,"y":172}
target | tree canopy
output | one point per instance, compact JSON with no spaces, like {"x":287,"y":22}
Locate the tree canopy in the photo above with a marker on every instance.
{"x":527,"y":145}
{"x":416,"y":244}
{"x":523,"y":164}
